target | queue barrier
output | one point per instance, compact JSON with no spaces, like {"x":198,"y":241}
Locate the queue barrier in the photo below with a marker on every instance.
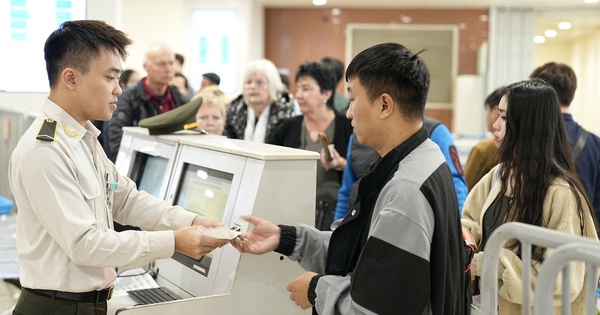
{"x":529,"y":235}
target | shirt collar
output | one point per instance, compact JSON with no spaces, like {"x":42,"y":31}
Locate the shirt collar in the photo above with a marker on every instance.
{"x":68,"y":127}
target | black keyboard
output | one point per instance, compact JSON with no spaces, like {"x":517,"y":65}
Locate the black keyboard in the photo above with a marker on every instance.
{"x":153,"y":295}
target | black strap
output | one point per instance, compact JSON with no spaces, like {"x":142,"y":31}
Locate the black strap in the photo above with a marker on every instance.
{"x":430,"y":124}
{"x":580,"y":143}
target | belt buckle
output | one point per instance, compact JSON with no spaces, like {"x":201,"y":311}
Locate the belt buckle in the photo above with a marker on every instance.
{"x":110,"y":292}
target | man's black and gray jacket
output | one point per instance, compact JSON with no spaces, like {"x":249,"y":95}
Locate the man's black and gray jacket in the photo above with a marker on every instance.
{"x":400,"y":248}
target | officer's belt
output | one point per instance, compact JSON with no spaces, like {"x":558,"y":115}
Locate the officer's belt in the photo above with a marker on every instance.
{"x":83,"y":297}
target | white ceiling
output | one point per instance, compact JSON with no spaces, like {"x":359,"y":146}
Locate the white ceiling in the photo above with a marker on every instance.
{"x":584,"y":17}
{"x":430,"y":3}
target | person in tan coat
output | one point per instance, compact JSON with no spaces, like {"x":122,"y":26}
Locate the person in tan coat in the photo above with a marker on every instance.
{"x":535,"y":183}
{"x":483,"y":156}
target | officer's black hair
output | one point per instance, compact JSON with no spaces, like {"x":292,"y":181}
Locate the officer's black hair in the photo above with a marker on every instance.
{"x":76,"y":43}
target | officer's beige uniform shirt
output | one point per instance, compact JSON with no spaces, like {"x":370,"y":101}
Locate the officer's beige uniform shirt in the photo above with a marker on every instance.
{"x":65,"y":238}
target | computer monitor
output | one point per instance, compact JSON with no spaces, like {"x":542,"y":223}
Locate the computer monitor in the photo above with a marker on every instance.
{"x":203,"y":191}
{"x":147,"y":160}
{"x":205,"y":182}
{"x":148,"y":172}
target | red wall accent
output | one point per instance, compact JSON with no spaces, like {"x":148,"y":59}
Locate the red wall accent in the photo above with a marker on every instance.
{"x":293,"y":36}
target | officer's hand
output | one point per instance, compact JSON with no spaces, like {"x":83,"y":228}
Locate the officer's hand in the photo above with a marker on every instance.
{"x":190,"y":242}
{"x":207,"y":222}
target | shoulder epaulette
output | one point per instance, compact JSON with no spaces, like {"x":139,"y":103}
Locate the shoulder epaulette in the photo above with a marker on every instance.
{"x":47,"y":130}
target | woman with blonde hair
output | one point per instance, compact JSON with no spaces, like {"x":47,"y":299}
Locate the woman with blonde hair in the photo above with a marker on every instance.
{"x":212,"y":114}
{"x":261,"y":106}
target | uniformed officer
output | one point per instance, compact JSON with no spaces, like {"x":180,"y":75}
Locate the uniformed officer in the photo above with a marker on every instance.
{"x":68,"y":192}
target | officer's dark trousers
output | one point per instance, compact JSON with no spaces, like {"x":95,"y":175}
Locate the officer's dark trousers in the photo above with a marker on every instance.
{"x":32,"y":304}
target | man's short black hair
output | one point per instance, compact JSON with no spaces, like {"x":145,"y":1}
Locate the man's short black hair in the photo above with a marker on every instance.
{"x":212,"y":77}
{"x":393,"y":69}
{"x":76,"y":43}
{"x":494,"y":98}
{"x":561,"y":77}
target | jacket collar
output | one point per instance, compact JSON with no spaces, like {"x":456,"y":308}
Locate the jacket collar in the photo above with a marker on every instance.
{"x":380,"y":169}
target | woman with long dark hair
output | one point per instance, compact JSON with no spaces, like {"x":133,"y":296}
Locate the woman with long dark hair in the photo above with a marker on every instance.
{"x":535,"y":183}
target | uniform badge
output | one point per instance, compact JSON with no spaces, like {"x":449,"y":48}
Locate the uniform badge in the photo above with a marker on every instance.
{"x":47,"y":130}
{"x":69,"y":132}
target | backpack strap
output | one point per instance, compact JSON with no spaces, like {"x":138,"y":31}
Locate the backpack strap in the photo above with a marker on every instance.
{"x":580,"y":143}
{"x":430,"y":123}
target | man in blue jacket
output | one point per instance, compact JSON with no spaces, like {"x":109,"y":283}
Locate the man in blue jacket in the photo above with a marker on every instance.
{"x":400,"y":249}
{"x":586,"y":145}
{"x":359,"y":157}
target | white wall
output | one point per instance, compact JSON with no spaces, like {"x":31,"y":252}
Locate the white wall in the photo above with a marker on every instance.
{"x":586,"y":64}
{"x":150,"y":21}
{"x":553,"y":52}
{"x":469,"y":111}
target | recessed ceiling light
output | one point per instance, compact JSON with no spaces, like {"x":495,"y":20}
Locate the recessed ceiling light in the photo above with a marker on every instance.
{"x":590,"y":1}
{"x":405,"y":19}
{"x":550,"y":33}
{"x":564,"y":25}
{"x":319,"y":2}
{"x":539,"y":39}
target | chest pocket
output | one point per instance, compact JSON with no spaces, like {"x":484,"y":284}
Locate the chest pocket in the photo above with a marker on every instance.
{"x":95,"y":199}
{"x":91,"y":192}
{"x":90,"y":189}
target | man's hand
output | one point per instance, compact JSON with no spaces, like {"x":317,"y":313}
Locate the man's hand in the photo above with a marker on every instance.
{"x":190,"y":242}
{"x":262,"y":239}
{"x":206,"y":222}
{"x":298,"y":289}
{"x":338,"y":163}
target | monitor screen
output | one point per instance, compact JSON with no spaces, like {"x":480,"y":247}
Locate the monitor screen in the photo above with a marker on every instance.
{"x":203,"y":191}
{"x":148,"y":172}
